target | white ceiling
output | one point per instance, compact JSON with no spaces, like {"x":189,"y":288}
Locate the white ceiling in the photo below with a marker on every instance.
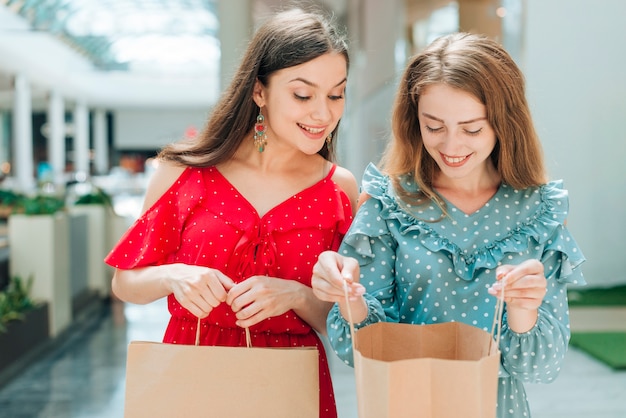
{"x":50,"y":64}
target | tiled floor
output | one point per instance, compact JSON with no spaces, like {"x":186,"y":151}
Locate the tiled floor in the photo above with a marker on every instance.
{"x":83,"y":377}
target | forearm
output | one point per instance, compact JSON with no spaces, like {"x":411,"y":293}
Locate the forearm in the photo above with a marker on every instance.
{"x":356,"y":311}
{"x":521,"y":320}
{"x":142,"y":285}
{"x":312,"y":310}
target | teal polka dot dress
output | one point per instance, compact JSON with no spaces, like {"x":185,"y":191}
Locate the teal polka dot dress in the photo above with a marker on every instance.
{"x":422,"y":272}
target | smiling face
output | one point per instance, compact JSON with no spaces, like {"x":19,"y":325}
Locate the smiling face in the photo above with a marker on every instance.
{"x":455,"y":131}
{"x":303,"y":104}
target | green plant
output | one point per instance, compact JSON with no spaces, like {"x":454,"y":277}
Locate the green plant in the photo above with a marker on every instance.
{"x":9,"y":197}
{"x":42,"y":205}
{"x":10,"y":202}
{"x":96,"y":197}
{"x":15,"y":300}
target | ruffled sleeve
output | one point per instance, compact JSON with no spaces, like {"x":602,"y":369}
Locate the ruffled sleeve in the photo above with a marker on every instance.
{"x":557,"y":238}
{"x":155,"y":236}
{"x":536,"y":356}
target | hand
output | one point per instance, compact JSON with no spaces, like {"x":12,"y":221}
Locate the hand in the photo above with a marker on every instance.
{"x":524,"y":284}
{"x":329,"y":275}
{"x":199,"y":289}
{"x":261,"y":297}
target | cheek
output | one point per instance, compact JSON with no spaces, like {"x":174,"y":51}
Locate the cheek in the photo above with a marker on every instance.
{"x":429,"y":139}
{"x":490,"y":144}
{"x":337,"y":109}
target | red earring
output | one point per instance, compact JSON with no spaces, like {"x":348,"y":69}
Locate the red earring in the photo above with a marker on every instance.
{"x":260,"y":137}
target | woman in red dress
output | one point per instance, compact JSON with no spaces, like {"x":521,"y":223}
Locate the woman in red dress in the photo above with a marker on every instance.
{"x":234,"y":219}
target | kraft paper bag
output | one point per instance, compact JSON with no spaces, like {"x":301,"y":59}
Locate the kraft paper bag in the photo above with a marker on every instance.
{"x":446,"y":370}
{"x":171,"y":380}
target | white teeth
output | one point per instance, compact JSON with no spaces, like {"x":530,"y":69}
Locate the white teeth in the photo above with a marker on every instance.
{"x":454,"y":160}
{"x":312,"y":130}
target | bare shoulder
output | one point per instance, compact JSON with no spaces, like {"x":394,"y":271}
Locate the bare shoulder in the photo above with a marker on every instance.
{"x":346,"y":180}
{"x":161,"y":180}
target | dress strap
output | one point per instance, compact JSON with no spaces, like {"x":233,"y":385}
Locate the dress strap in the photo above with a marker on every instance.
{"x":331,"y":172}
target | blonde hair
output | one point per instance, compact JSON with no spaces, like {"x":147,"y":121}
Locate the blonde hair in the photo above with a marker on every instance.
{"x":482,"y":68}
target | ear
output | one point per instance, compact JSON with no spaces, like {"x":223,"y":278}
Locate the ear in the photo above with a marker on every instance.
{"x":258,"y":93}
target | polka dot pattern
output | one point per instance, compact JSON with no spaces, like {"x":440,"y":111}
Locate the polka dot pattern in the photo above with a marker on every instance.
{"x":203,"y":220}
{"x":422,"y":272}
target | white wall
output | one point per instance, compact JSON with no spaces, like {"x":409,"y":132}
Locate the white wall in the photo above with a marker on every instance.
{"x":574,"y":60}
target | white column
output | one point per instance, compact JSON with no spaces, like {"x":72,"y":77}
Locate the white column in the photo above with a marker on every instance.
{"x":236,"y":27}
{"x":81,"y":140}
{"x":4,"y":154}
{"x":23,"y":164}
{"x":100,"y":144}
{"x":56,"y":135}
{"x":376,"y":30}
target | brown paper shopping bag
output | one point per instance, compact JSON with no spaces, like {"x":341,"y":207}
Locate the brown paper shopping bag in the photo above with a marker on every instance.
{"x":446,"y":370}
{"x":171,"y":380}
{"x":432,"y":371}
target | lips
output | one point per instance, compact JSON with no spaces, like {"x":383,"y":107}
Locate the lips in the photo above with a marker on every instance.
{"x":454,"y":161}
{"x":313,"y":133}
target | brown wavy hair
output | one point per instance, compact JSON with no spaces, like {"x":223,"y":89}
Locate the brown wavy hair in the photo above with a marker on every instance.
{"x":481,"y":67}
{"x":289,"y":38}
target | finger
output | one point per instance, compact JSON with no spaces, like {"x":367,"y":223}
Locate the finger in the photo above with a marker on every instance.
{"x":218,"y":284}
{"x":503,"y":270}
{"x":349,"y":270}
{"x":536,"y":293}
{"x":250,"y":320}
{"x":237,"y":290}
{"x":524,"y":303}
{"x":241,"y":301}
{"x":528,"y":292}
{"x":249,"y":311}
{"x":226,"y":281}
{"x":513,"y":273}
{"x":325,"y":291}
{"x":325,"y":287}
{"x":199,"y":307}
{"x":330,"y":266}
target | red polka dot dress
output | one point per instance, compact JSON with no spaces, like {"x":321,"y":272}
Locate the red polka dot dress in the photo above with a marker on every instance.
{"x":203,"y":220}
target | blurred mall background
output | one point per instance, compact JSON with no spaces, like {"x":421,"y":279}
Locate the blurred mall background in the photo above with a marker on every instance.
{"x":91,"y":89}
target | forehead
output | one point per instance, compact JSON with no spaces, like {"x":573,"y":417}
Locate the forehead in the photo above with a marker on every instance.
{"x":442,"y":100}
{"x":327,"y":70}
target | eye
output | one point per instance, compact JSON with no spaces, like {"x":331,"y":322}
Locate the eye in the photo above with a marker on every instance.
{"x":474,"y":133}
{"x":335,"y":98}
{"x":301,"y":98}
{"x":433,"y":130}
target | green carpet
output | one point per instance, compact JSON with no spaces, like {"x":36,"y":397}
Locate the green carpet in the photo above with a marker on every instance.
{"x":605,"y":296}
{"x":608,"y":347}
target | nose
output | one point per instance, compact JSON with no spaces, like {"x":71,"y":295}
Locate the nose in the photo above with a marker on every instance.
{"x":453,"y":142}
{"x":321,"y":111}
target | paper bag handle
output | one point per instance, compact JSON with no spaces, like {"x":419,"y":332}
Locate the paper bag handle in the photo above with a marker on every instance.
{"x":497,"y":319}
{"x":248,"y":339}
{"x":352,"y":333}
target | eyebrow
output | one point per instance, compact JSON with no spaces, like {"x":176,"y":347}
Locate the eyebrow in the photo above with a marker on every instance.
{"x":426,"y":115}
{"x":310,"y":83}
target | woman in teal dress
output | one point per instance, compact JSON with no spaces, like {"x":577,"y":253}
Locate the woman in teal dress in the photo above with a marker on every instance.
{"x":461,"y":209}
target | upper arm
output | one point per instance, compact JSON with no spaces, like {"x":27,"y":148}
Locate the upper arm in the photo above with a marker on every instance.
{"x":363,"y":197}
{"x":346,"y":180}
{"x":162,"y":179}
